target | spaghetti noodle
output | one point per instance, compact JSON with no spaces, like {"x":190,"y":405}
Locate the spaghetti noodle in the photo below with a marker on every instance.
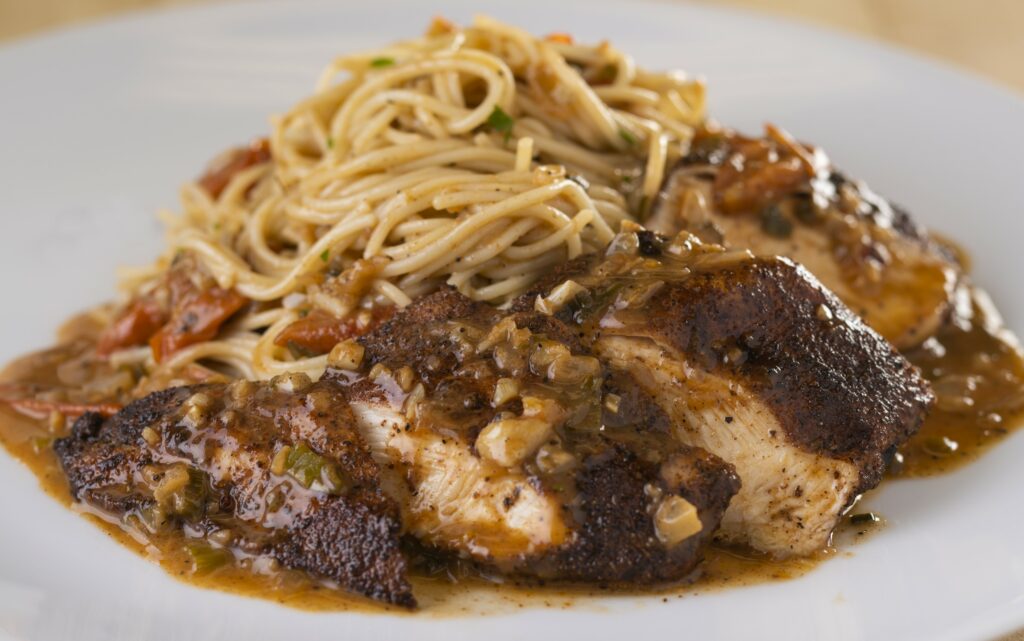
{"x":478,"y":157}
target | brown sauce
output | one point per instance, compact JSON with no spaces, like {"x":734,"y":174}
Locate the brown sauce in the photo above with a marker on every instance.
{"x":27,"y":439}
{"x":976,"y":368}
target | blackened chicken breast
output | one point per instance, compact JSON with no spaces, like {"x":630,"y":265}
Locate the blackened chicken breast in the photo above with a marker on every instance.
{"x":777,"y":197}
{"x":508,"y":443}
{"x":255,"y":470}
{"x":755,"y":362}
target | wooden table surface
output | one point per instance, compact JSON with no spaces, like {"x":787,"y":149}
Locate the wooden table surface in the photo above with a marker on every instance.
{"x":983,"y":36}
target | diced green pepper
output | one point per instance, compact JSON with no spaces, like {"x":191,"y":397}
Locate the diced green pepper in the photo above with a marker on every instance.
{"x":190,"y":501}
{"x":152,"y":518}
{"x":308,"y":467}
{"x":206,"y":558}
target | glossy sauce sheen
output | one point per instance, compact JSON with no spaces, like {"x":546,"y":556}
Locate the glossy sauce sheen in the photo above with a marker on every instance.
{"x":977,"y":370}
{"x":977,"y":373}
{"x":440,"y":591}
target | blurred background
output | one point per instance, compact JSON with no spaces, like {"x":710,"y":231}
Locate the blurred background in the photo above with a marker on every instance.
{"x":985,"y":36}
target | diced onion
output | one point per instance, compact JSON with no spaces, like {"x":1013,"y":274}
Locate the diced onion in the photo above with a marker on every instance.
{"x":676,"y":520}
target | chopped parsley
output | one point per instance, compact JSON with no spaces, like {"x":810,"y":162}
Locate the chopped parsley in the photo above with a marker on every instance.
{"x":627,"y":136}
{"x":382,"y":62}
{"x":325,"y":255}
{"x":330,"y":142}
{"x":501,"y":121}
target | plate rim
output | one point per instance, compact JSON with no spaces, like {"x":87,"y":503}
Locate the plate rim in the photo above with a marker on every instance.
{"x":1003,"y":622}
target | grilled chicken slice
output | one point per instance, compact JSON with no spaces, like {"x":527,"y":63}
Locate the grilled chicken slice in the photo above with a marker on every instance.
{"x":755,"y":362}
{"x":777,"y":197}
{"x":259,"y":471}
{"x":508,"y":444}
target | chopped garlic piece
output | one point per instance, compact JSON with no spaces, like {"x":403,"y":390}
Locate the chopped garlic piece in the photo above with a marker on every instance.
{"x":552,"y":458}
{"x":172,"y":481}
{"x":505,"y":390}
{"x":405,"y":378}
{"x":292,"y":382}
{"x":347,"y":355}
{"x":559,"y":297}
{"x":196,"y":407}
{"x":151,"y":436}
{"x":676,"y":520}
{"x":277,"y":466}
{"x":510,"y":441}
{"x":612,"y":402}
{"x":413,"y":400}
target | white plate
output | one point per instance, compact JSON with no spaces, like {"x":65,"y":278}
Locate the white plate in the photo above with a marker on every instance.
{"x":101,"y":124}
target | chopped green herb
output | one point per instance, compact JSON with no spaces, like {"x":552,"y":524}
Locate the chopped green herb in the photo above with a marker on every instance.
{"x":325,"y":254}
{"x":382,"y":62}
{"x":330,"y":142}
{"x":628,"y":136}
{"x":501,"y":121}
{"x":626,"y":180}
{"x":206,"y":558}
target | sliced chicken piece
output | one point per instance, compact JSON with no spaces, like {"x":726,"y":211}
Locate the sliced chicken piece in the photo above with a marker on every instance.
{"x":777,"y":197}
{"x":508,"y":444}
{"x":246,"y":470}
{"x":755,"y":362}
{"x":454,"y":499}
